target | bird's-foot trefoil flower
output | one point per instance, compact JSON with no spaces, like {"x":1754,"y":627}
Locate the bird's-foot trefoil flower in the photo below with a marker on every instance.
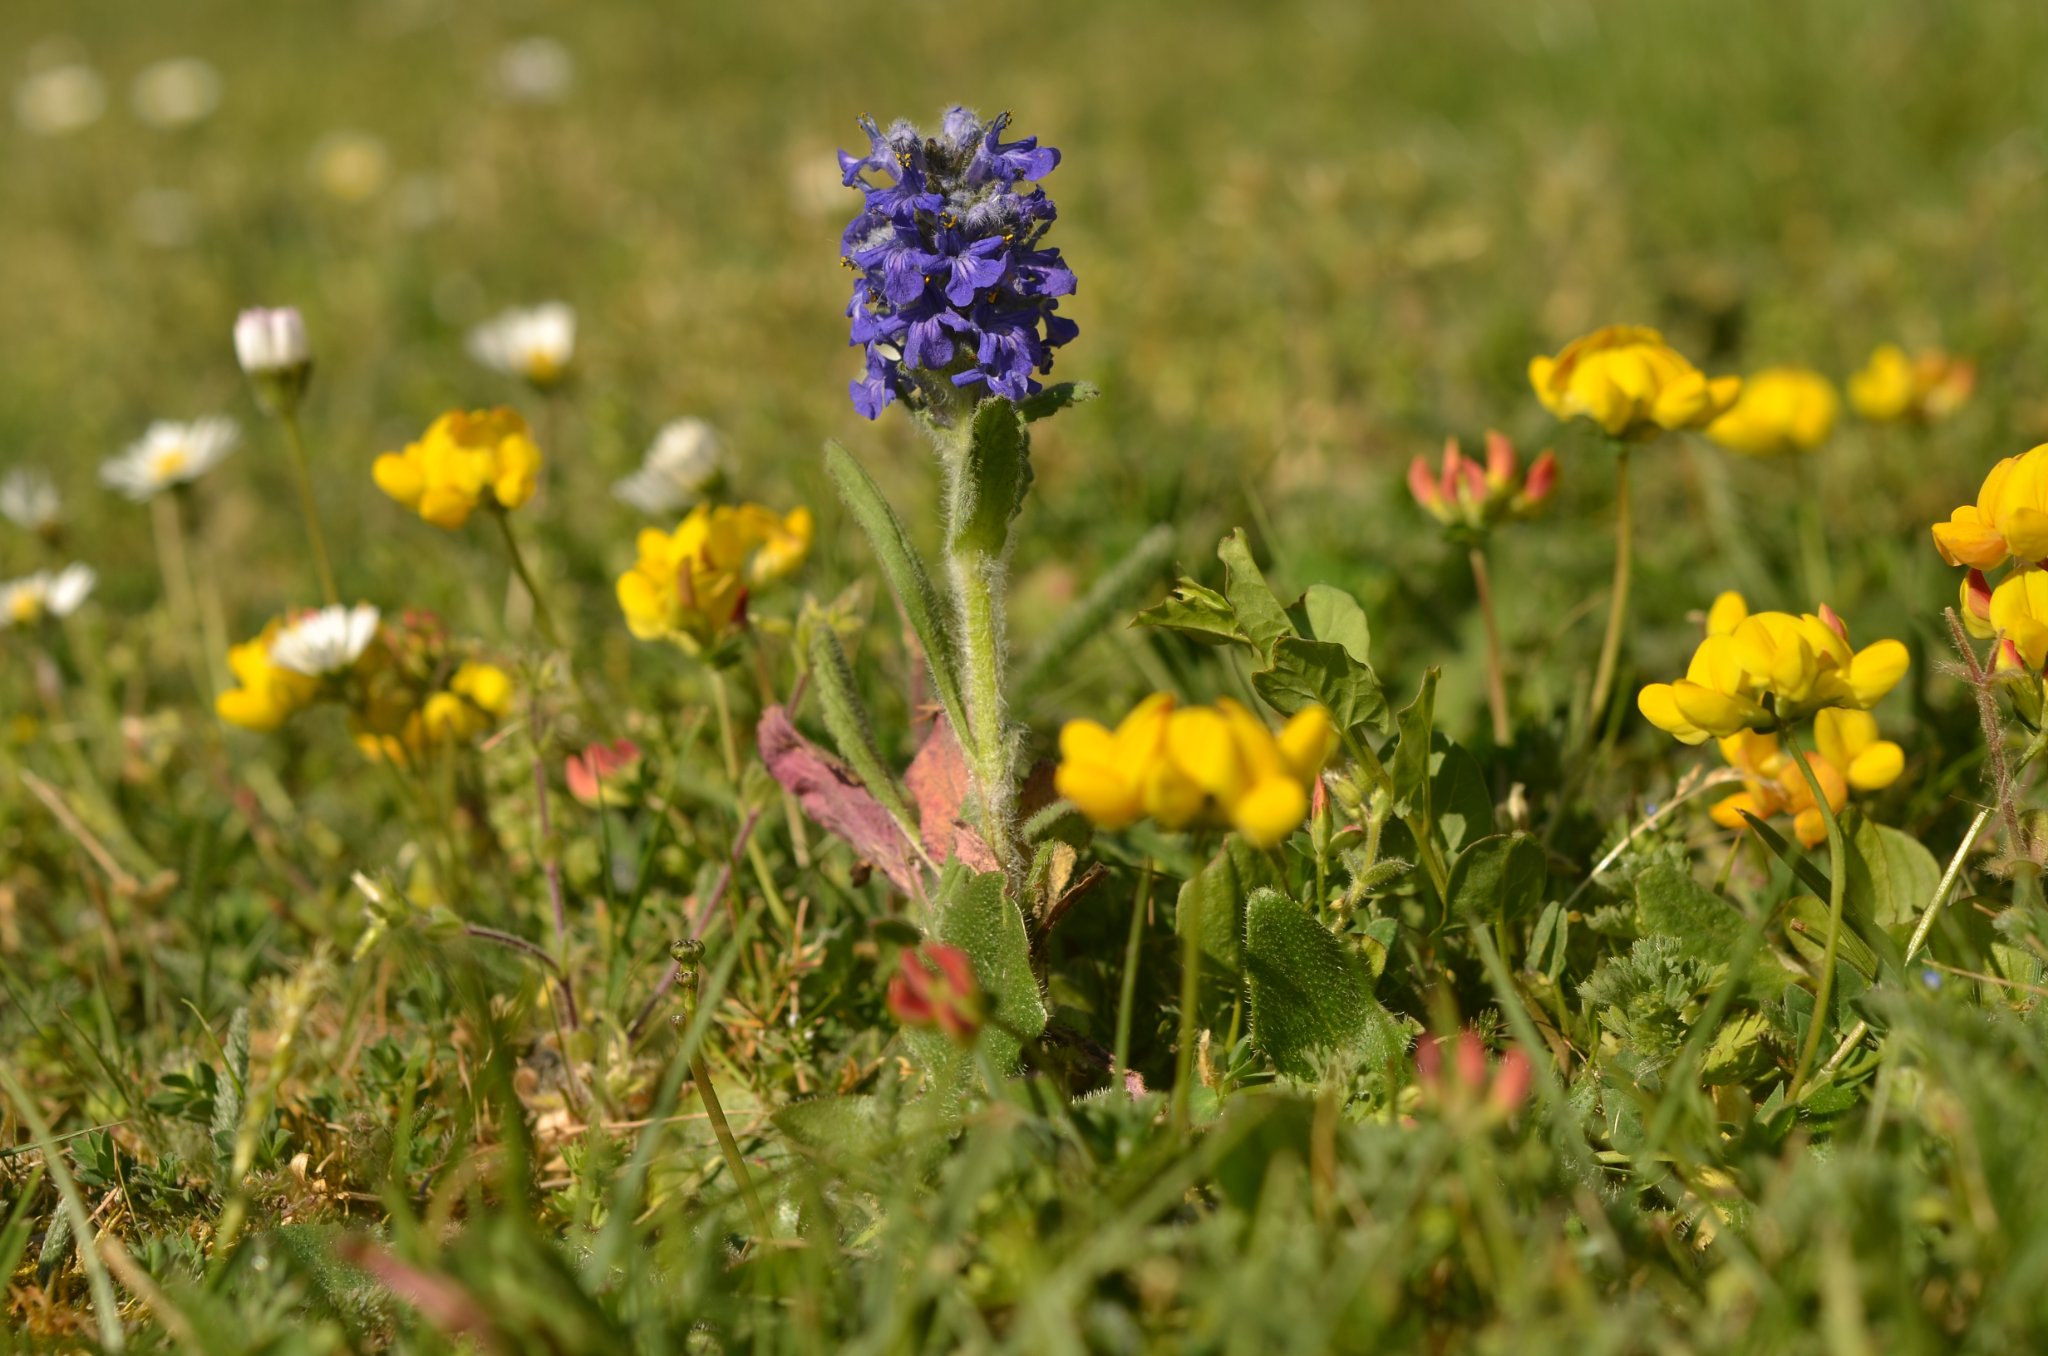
{"x":1761,"y":671}
{"x":1780,"y":410}
{"x":954,"y":287}
{"x":535,"y":344}
{"x":170,"y":454}
{"x":1928,"y":386}
{"x":1630,"y":383}
{"x":466,"y":460}
{"x":684,"y":464}
{"x":1196,"y":765}
{"x":691,"y":585}
{"x":1851,"y":756}
{"x":2009,"y":519}
{"x":1470,"y":497}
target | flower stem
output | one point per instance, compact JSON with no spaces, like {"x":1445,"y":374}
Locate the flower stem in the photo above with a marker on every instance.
{"x":542,"y":617}
{"x":978,"y":583}
{"x":1190,"y":996}
{"x":1617,"y":605}
{"x":174,"y":562}
{"x":309,"y":506}
{"x":700,"y":1074}
{"x":1838,"y":878}
{"x":728,"y":742}
{"x":1121,"y":1061}
{"x":1496,"y":671}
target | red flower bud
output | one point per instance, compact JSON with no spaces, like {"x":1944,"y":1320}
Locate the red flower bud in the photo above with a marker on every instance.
{"x":1833,"y":621}
{"x":1422,"y":485}
{"x":588,"y":771}
{"x":1501,"y":462}
{"x":934,"y":988}
{"x":1542,"y":479}
{"x":1977,"y":596}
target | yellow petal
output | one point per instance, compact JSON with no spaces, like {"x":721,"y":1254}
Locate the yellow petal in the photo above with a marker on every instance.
{"x":1273,"y":808}
{"x":1107,"y":797}
{"x":398,"y":475}
{"x":1716,"y":713}
{"x":1307,"y":741}
{"x":1660,"y":708}
{"x":1200,"y":744}
{"x":1728,"y":612}
{"x":1876,"y":670}
{"x":1877,"y":767}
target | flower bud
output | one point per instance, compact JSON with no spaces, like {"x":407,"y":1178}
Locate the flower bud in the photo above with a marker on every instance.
{"x":271,"y":345}
{"x":600,"y":774}
{"x":1540,"y":484}
{"x":1422,"y":485}
{"x":934,"y":988}
{"x":1501,"y":462}
{"x":1976,"y":605}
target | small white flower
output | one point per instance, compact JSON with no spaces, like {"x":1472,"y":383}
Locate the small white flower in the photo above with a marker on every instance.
{"x":535,"y":71}
{"x":28,"y":499}
{"x":535,"y":343}
{"x":326,"y":641}
{"x":175,"y":93}
{"x":169,"y":454}
{"x":60,"y":99}
{"x":26,"y":601}
{"x":270,"y":340}
{"x":685,"y":459}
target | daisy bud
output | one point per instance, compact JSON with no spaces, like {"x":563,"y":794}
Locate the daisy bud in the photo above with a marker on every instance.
{"x":934,"y":988}
{"x":1976,"y":605}
{"x":271,"y":345}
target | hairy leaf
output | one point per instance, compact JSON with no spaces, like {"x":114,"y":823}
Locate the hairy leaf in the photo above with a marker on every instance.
{"x":1312,"y":999}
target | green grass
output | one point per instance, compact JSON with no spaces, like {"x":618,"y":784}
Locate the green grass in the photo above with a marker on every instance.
{"x":1313,"y":239}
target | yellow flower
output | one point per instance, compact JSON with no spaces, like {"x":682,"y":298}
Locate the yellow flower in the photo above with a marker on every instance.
{"x":692,"y":583}
{"x":2010,"y":517}
{"x":1781,"y":409}
{"x":466,"y":460}
{"x":1626,"y":379}
{"x":1181,"y":766}
{"x":1929,"y":385}
{"x":1852,"y":757}
{"x":1754,"y":671}
{"x":268,"y":695}
{"x":394,"y":729}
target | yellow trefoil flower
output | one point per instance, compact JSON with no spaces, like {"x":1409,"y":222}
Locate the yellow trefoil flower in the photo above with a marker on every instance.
{"x":1757,"y":671}
{"x":268,"y":694}
{"x":1780,"y":410}
{"x":477,"y":697}
{"x":1181,"y":766}
{"x":1929,"y":385}
{"x":1631,"y":383}
{"x":1852,"y":757}
{"x":466,"y":460}
{"x":2010,"y":517}
{"x":691,"y":584}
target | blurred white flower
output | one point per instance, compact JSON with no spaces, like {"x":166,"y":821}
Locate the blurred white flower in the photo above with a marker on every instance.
{"x":535,"y":343}
{"x":168,"y":454}
{"x":175,"y":93}
{"x":535,"y":71}
{"x":270,"y":339}
{"x":28,"y":499}
{"x":682,"y":464}
{"x":60,"y":99}
{"x":164,"y":217}
{"x":351,"y":166}
{"x":26,"y":601}
{"x":323,"y":642}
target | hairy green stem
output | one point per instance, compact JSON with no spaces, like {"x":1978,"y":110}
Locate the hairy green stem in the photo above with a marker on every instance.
{"x":1617,"y":603}
{"x":309,"y":506}
{"x":1838,"y":878}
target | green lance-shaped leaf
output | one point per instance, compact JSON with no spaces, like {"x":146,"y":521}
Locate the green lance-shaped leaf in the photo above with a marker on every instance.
{"x":1498,"y":879}
{"x":846,"y":719}
{"x":992,"y":479}
{"x":231,"y":1089}
{"x":1056,"y":397}
{"x":1322,"y":673}
{"x":1090,"y":617}
{"x":905,"y":574}
{"x":1312,"y":1000}
{"x":1259,"y":614}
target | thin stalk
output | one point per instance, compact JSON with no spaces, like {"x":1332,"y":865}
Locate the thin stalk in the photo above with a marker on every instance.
{"x":1496,"y":669}
{"x":175,"y":564}
{"x":542,"y":616}
{"x":688,"y":955}
{"x":1813,"y":541}
{"x":1838,"y":877}
{"x":1190,"y":995}
{"x":316,"y":541}
{"x":728,"y":741}
{"x":1127,"y":999}
{"x":551,"y":868}
{"x":1617,"y":604}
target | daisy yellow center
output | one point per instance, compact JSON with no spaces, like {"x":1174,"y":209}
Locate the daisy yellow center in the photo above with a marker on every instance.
{"x":25,"y":607}
{"x":541,"y":366}
{"x":167,"y":463}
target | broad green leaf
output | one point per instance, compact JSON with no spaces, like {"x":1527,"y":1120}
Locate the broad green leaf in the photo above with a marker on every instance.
{"x":1199,"y":612}
{"x":1056,"y":397}
{"x":1705,"y":926}
{"x":1410,"y":767}
{"x":1312,"y":1000}
{"x":905,"y":574}
{"x":974,"y":914}
{"x":1891,"y":876}
{"x":1737,"y":1053}
{"x":1335,"y":616}
{"x":852,"y":1127}
{"x":1806,"y":928}
{"x":1259,"y":614}
{"x":1322,"y":673}
{"x":1498,"y":878}
{"x":992,"y":482}
{"x":1458,"y":796}
{"x":1216,"y":895}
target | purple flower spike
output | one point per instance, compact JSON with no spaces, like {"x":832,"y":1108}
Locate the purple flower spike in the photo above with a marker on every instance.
{"x":954,"y":285}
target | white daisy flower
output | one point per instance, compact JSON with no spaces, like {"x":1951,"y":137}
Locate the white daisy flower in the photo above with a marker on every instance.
{"x":175,"y":93}
{"x":28,"y":499}
{"x":684,"y":461}
{"x":271,"y":339}
{"x":169,"y":454}
{"x":535,"y":71}
{"x":61,"y":99}
{"x":24,"y":602}
{"x":323,"y":642}
{"x":535,"y":343}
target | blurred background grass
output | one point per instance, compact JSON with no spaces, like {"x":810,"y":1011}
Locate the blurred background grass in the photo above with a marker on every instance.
{"x":1313,"y":238}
